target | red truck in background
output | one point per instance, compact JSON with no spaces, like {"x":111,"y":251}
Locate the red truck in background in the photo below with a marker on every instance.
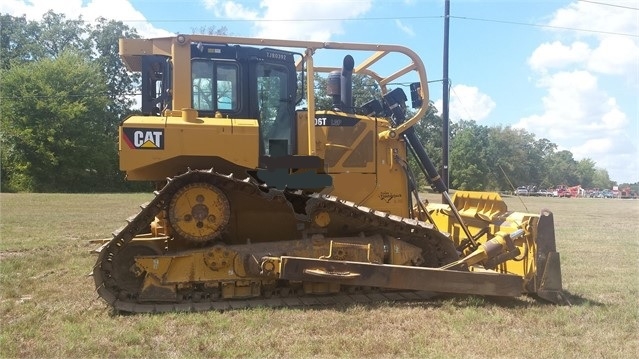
{"x":561,"y":191}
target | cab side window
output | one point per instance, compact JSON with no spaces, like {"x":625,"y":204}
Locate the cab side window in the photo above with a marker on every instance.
{"x":155,"y":84}
{"x":215,"y":86}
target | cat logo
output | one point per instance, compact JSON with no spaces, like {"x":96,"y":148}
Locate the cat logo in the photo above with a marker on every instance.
{"x":144,"y":138}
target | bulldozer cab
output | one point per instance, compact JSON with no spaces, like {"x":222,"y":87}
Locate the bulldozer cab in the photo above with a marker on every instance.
{"x":233,"y":82}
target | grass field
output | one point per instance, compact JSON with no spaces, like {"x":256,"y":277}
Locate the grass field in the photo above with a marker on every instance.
{"x":49,"y":308}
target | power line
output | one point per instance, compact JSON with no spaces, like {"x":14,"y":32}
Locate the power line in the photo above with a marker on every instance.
{"x":541,"y":25}
{"x":608,"y":4}
{"x":290,"y":20}
{"x":386,"y":18}
{"x":63,"y":96}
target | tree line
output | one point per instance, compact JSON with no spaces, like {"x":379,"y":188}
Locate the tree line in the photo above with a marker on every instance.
{"x":64,"y":90}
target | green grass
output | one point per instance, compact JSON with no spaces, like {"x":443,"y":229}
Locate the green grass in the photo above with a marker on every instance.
{"x":49,"y":308}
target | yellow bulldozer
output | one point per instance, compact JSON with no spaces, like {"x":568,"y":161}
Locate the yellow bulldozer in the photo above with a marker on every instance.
{"x":264,"y":199}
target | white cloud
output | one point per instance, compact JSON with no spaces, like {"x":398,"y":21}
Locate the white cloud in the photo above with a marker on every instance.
{"x":468,"y":103}
{"x":121,"y":10}
{"x":615,"y":55}
{"x":230,"y":9}
{"x":608,"y":46}
{"x":612,"y":154}
{"x":308,"y":20}
{"x":579,"y":112}
{"x":556,"y":55}
{"x":582,"y":118}
{"x":405,"y":28}
{"x":612,"y":55}
{"x":575,"y":109}
{"x":595,"y":17}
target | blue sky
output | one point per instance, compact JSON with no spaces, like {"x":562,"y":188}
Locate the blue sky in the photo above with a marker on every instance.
{"x":566,"y":70}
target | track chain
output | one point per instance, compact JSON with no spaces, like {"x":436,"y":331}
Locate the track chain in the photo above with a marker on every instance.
{"x":358,"y":217}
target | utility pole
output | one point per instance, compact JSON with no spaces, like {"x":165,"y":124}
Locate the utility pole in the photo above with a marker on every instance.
{"x":445,"y":99}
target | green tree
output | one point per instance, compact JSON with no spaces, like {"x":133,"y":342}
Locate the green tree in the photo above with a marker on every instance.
{"x":544,"y":149}
{"x":27,"y":42}
{"x":53,"y":136}
{"x":210,"y":30}
{"x":562,"y":169}
{"x":23,"y":41}
{"x":601,"y":180}
{"x":57,"y":35}
{"x":586,"y":172}
{"x":121,"y":84}
{"x":17,"y":40}
{"x":469,"y":166}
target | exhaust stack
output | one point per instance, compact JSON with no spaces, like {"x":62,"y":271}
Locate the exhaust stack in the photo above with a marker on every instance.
{"x":347,"y":84}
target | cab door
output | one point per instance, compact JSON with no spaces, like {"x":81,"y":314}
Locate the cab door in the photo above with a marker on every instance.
{"x":275,"y":107}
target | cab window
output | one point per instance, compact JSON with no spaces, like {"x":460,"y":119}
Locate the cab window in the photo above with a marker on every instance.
{"x":215,"y":86}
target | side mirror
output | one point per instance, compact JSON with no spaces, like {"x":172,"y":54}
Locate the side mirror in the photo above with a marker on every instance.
{"x":416,"y":95}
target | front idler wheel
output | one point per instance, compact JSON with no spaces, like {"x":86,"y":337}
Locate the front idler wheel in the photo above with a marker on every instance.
{"x":125,"y":272}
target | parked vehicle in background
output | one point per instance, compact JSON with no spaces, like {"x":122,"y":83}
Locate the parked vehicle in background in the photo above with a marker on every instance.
{"x":576,"y":191}
{"x":594,"y":193}
{"x":542,"y":193}
{"x":521,"y":191}
{"x":561,"y":191}
{"x":606,"y":193}
{"x":627,"y":192}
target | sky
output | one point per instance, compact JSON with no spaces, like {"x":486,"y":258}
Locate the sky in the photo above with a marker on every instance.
{"x":564,"y":70}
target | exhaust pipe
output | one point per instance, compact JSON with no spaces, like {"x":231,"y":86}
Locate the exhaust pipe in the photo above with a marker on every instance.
{"x":346,"y":84}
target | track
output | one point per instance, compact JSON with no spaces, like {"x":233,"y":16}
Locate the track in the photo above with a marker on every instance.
{"x":438,"y":248}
